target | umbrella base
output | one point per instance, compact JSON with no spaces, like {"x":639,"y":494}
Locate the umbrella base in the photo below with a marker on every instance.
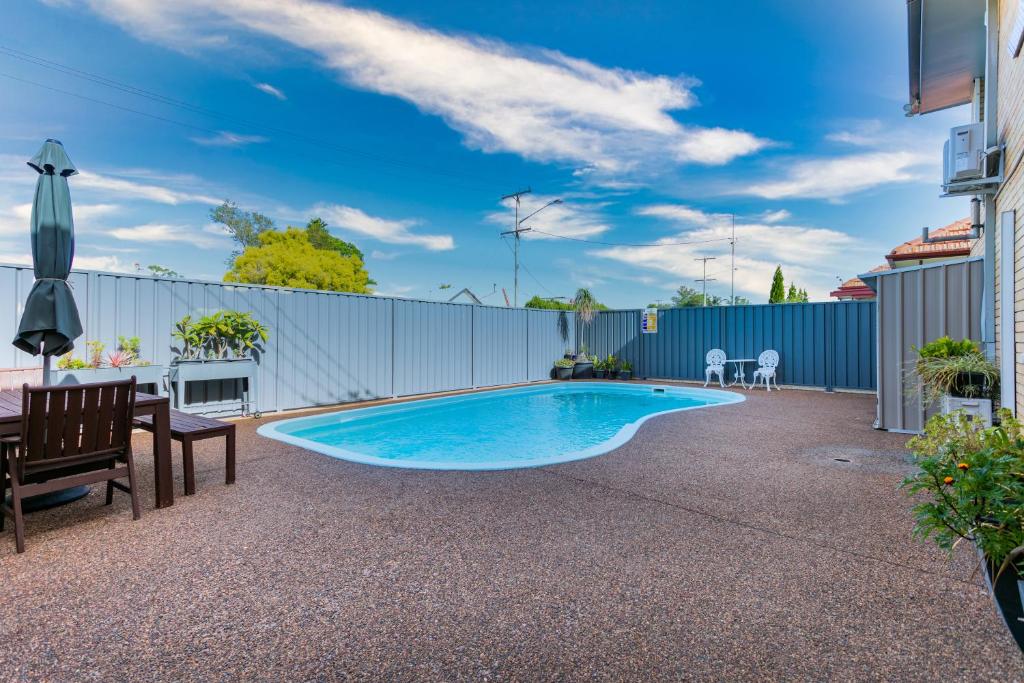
{"x":46,"y":501}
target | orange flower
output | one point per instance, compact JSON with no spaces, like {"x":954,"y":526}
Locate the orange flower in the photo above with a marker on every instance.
{"x":963,"y":466}
{"x":948,"y":480}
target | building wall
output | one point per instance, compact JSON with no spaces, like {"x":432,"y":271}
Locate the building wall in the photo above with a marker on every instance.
{"x":1010,"y":117}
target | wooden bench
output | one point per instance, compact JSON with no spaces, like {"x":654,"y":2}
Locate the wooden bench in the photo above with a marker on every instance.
{"x":188,"y":429}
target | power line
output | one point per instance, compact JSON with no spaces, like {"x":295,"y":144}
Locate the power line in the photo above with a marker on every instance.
{"x":181,"y":104}
{"x":164,"y":119}
{"x":628,"y":244}
{"x":528,"y":271}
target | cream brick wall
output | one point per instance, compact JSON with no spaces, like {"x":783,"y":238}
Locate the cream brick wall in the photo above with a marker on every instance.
{"x":1010,"y":117}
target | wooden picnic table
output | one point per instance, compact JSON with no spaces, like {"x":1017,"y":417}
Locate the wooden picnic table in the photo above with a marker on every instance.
{"x":145,"y":404}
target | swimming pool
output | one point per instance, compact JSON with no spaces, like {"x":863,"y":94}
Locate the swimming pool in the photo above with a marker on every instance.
{"x":493,"y":430}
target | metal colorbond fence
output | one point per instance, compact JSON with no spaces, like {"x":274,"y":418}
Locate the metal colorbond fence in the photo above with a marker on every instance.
{"x":829,"y":344}
{"x":325,"y":347}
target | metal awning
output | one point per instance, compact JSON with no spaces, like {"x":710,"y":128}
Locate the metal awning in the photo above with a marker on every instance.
{"x":946,"y":42}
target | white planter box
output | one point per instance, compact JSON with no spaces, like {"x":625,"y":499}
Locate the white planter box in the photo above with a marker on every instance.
{"x":977,"y":408}
{"x":144,"y":375}
{"x":236,"y":370}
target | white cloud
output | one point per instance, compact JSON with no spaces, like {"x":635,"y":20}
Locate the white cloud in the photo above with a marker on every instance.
{"x":123,"y":188}
{"x":683,"y":215}
{"x":568,"y":219}
{"x":270,"y":90}
{"x":837,"y":177}
{"x":775,"y":216}
{"x":228,"y":139}
{"x":384,"y":255}
{"x":162,"y":233}
{"x":111,"y":263}
{"x":540,"y":104}
{"x":383,"y":229}
{"x":804,"y":253}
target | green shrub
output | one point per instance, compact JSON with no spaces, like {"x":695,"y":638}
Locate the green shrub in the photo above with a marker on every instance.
{"x":945,"y":347}
{"x":941,"y":375}
{"x":565,"y":363}
{"x":69,"y":362}
{"x":219,"y":334}
{"x":973,"y":482}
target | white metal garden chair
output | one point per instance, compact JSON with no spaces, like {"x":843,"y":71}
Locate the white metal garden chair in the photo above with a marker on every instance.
{"x":716,"y":365}
{"x":767,"y":362}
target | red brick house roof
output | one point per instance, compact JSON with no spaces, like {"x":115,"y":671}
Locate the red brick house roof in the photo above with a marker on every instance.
{"x":916,"y":249}
{"x":855,"y":288}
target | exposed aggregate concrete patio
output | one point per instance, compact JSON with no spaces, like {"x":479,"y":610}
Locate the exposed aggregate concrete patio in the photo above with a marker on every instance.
{"x":719,"y":544}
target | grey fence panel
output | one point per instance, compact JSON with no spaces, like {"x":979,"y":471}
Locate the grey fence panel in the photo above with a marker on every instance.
{"x":499,"y":346}
{"x":829,"y":344}
{"x":916,"y":306}
{"x":614,"y":333}
{"x":432,"y":347}
{"x":550,"y":333}
{"x":324,"y":347}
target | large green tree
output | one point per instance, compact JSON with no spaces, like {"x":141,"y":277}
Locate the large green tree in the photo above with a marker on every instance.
{"x":687,"y":297}
{"x":289,"y":259}
{"x":777,"y":294}
{"x":244,"y":227}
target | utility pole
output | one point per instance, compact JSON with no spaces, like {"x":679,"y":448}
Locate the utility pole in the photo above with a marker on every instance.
{"x":516,"y":229}
{"x":705,"y":280}
{"x":732,"y":265}
{"x":519,"y":229}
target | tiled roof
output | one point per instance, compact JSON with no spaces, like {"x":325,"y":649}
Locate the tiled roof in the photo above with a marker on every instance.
{"x":916,"y":249}
{"x":857,"y":288}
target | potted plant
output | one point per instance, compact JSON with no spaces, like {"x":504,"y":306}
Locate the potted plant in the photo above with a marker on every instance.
{"x":218,"y":346}
{"x":611,"y":366}
{"x":958,"y":375}
{"x":599,"y":368}
{"x":972,"y":482}
{"x":121,"y":363}
{"x":563,"y":368}
{"x":625,"y":370}
{"x":584,"y":367}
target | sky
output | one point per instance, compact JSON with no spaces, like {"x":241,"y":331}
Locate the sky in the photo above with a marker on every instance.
{"x":402,"y":124}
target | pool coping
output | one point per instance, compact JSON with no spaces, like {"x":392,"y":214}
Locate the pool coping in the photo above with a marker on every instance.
{"x":272,"y":430}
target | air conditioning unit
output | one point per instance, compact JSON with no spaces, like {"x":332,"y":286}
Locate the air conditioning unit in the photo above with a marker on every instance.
{"x":964,"y":153}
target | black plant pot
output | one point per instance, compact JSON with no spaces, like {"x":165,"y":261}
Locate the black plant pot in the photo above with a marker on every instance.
{"x":1007,"y":593}
{"x":625,"y":374}
{"x":612,"y":374}
{"x":583,"y":370}
{"x":969,"y":385}
{"x":598,"y":374}
{"x":563,"y":373}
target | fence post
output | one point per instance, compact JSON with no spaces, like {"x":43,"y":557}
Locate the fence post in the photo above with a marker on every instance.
{"x":830,"y":346}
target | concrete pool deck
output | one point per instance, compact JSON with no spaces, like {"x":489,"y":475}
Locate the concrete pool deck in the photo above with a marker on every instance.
{"x":717,"y":544}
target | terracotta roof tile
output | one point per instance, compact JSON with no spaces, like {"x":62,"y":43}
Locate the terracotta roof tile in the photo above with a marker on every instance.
{"x":916,"y":249}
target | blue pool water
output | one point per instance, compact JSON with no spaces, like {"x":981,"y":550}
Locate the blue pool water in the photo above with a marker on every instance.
{"x":491,"y":430}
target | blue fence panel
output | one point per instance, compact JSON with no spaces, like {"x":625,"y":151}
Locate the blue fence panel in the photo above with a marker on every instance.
{"x":827,"y":344}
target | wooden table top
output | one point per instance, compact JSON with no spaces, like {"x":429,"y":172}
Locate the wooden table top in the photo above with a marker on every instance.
{"x":10,"y":403}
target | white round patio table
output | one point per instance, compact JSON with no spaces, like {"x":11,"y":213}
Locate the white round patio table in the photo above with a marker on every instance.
{"x":739,"y":375}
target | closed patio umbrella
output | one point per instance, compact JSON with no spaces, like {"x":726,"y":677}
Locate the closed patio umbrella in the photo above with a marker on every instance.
{"x":50,"y":322}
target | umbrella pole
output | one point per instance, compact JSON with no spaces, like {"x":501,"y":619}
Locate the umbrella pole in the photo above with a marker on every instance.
{"x":46,"y":370}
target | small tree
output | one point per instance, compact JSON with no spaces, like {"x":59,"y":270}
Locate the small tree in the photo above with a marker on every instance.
{"x":777,"y":295}
{"x":243,"y":227}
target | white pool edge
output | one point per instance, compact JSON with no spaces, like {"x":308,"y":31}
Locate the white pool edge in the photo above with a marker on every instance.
{"x":271,"y":430}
